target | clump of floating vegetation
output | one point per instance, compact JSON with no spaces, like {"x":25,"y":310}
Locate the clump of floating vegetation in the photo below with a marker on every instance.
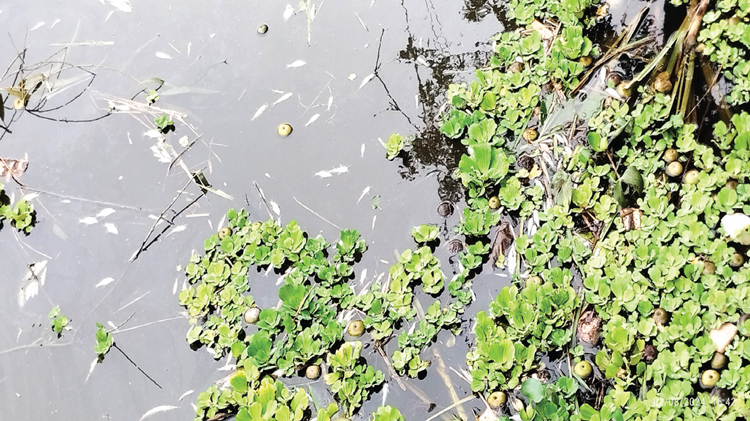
{"x":621,"y":216}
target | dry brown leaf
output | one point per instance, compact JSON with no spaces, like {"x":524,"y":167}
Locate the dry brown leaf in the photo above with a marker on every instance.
{"x":545,"y":31}
{"x":12,"y":167}
{"x":502,"y":242}
{"x":589,"y":327}
{"x":631,"y":218}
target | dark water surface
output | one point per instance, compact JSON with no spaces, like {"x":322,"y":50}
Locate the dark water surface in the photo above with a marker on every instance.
{"x":219,"y":72}
{"x":100,"y":186}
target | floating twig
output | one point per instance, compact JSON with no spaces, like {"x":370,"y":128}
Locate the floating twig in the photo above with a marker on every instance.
{"x":114,"y":345}
{"x":394,"y":375}
{"x":455,"y":404}
{"x":316,"y":214}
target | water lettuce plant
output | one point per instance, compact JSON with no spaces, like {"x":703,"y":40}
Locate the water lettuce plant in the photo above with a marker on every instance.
{"x":306,"y":328}
{"x":58,"y":320}
{"x":104,"y":341}
{"x":20,"y":214}
{"x":634,"y":208}
{"x":614,"y":212}
{"x":252,"y":396}
{"x":350,"y":380}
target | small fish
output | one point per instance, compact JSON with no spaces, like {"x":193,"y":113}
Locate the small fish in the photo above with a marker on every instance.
{"x":178,"y":228}
{"x":335,"y":171}
{"x":295,"y":64}
{"x":111,"y":228}
{"x":122,"y":5}
{"x":259,"y":112}
{"x":330,"y":102}
{"x":105,"y":212}
{"x":185,"y":394}
{"x":362,"y":151}
{"x":364,"y":192}
{"x":88,"y":220}
{"x":283,"y":98}
{"x":91,"y":369}
{"x":37,"y":26}
{"x":312,"y":120}
{"x":104,"y":282}
{"x":158,"y":409}
{"x":340,"y":169}
{"x":369,"y":77}
{"x":275,"y":207}
{"x":162,"y":55}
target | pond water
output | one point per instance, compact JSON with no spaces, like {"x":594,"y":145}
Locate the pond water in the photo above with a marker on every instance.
{"x":357,"y":72}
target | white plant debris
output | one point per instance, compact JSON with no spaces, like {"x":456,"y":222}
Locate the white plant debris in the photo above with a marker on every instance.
{"x":34,"y":278}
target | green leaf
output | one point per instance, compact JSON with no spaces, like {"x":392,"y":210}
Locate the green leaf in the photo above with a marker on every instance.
{"x":424,"y":233}
{"x":292,"y":295}
{"x":629,"y":187}
{"x":239,"y":382}
{"x":598,"y":143}
{"x":104,"y":340}
{"x":163,"y":123}
{"x":394,"y":145}
{"x":533,"y":389}
{"x":587,"y":412}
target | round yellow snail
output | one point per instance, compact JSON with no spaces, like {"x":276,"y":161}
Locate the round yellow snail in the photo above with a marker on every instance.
{"x":284,"y":129}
